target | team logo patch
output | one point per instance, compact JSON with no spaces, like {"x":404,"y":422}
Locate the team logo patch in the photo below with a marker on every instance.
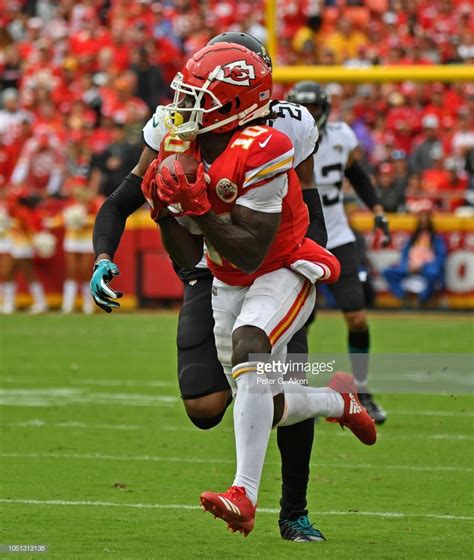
{"x":226,"y":190}
{"x":338,"y":148}
{"x":237,"y":73}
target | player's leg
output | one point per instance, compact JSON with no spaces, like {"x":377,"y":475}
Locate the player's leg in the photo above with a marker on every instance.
{"x":274,"y":307}
{"x":349,"y":294}
{"x":295,"y":444}
{"x":86,"y":259}
{"x":269,"y":306}
{"x":8,"y":284}
{"x":204,"y":388}
{"x":70,"y":284}
{"x":25,"y":265}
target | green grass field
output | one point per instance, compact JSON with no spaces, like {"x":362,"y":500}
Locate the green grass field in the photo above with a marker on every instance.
{"x":99,"y":460}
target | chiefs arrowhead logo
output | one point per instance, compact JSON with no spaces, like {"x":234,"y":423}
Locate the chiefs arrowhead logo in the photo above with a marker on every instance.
{"x":237,"y":73}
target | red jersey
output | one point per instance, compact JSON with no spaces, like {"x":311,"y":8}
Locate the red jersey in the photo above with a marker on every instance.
{"x":254,"y":156}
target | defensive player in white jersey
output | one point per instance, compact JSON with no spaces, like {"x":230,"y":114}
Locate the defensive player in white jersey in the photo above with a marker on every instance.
{"x":203,"y":385}
{"x":335,"y":160}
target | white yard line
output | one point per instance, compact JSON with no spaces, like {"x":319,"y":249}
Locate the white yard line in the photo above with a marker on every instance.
{"x":37,"y":423}
{"x":154,"y":458}
{"x":383,"y":514}
{"x":72,"y":396}
{"x":75,"y":425}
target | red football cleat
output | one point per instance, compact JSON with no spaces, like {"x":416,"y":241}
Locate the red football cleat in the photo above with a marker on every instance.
{"x":233,"y":507}
{"x":355,"y":417}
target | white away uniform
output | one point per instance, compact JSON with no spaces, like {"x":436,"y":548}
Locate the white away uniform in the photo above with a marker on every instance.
{"x":335,"y":145}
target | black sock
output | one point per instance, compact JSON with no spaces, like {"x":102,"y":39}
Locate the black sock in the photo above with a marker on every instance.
{"x":359,"y":345}
{"x":295,"y":444}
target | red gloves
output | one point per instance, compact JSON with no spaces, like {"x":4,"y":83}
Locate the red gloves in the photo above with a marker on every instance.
{"x":190,"y":198}
{"x":149,"y":190}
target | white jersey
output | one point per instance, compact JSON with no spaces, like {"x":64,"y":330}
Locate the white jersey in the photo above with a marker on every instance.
{"x":335,"y":145}
{"x":293,"y":120}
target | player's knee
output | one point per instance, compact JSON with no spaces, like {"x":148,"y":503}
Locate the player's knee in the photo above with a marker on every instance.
{"x":357,"y":321}
{"x":248,"y":340}
{"x":207,"y":412}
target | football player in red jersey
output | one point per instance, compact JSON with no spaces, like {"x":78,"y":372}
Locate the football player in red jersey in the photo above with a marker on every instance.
{"x":247,"y":203}
{"x":203,"y":385}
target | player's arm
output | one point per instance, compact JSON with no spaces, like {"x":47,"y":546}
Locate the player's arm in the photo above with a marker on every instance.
{"x":245,"y":240}
{"x":255,"y":218}
{"x":108,"y":229}
{"x":317,"y":226}
{"x":185,"y":248}
{"x":362,"y":185}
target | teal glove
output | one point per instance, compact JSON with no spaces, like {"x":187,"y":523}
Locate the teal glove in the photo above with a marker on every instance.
{"x":103,"y":273}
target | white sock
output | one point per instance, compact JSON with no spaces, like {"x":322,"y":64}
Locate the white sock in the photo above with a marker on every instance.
{"x":9,"y":293}
{"x":303,"y":402}
{"x":87,"y":301}
{"x":253,"y":417}
{"x":69,"y":295}
{"x":37,"y":291}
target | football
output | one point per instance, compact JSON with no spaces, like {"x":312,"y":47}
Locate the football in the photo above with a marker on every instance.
{"x":189,"y":164}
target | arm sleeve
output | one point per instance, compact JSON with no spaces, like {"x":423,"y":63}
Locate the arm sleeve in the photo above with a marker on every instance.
{"x":112,"y":217}
{"x":362,"y":185}
{"x":266,"y":198}
{"x":317,"y":226}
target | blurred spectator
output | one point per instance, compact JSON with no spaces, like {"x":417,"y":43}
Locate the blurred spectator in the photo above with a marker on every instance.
{"x":463,"y":140}
{"x":469,"y":168}
{"x":11,"y":116}
{"x":151,"y":86}
{"x":40,"y":167}
{"x":429,"y":146}
{"x":111,"y":166}
{"x":444,"y":183}
{"x":391,"y":189}
{"x":421,"y":268}
{"x":345,"y":41}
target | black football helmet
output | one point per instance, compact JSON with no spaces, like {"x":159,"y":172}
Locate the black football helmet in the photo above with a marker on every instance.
{"x":245,"y":40}
{"x":314,"y":95}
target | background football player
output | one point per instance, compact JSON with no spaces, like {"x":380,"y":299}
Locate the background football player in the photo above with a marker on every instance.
{"x":335,"y":160}
{"x":203,"y":385}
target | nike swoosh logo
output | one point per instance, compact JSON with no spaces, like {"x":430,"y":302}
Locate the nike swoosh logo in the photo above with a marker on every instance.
{"x":265,"y":142}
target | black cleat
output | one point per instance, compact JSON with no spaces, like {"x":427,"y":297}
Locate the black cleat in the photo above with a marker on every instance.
{"x":376,"y":412}
{"x":299,"y":530}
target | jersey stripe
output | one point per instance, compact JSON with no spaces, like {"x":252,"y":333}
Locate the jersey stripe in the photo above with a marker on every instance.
{"x":282,"y":163}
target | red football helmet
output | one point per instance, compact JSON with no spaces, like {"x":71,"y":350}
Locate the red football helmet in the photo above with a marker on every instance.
{"x":222,"y":86}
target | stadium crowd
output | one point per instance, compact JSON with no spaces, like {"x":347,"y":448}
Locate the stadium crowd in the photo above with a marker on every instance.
{"x":79,"y":80}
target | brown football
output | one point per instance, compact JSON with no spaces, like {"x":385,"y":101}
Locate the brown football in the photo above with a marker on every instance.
{"x":188,"y":163}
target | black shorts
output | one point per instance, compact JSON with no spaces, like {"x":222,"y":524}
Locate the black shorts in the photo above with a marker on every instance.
{"x":199,"y":371}
{"x":348,"y":291}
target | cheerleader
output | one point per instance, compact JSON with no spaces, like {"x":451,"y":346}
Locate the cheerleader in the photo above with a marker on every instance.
{"x":78,"y":219}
